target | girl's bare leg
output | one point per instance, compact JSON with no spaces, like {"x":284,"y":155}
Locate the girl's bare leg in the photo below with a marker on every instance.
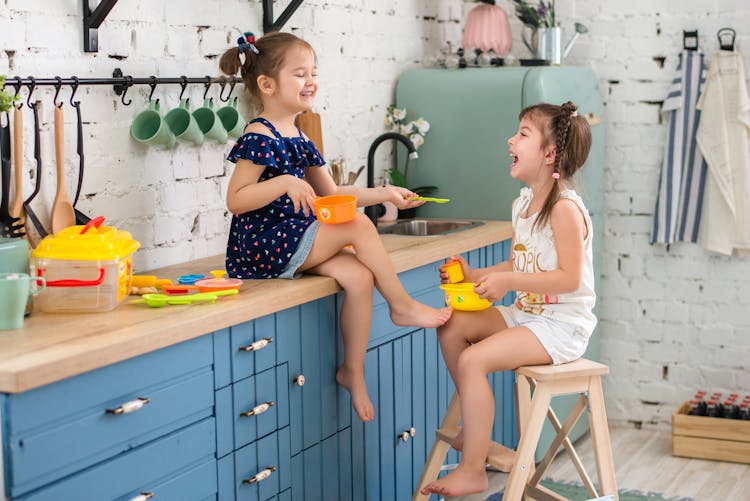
{"x":363,"y":236}
{"x":355,"y":321}
{"x":504,"y":350}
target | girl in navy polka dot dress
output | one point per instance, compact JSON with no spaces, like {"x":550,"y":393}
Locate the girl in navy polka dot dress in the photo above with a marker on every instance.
{"x":274,"y":232}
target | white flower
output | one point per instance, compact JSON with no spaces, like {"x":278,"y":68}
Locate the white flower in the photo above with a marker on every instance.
{"x":417,"y":139}
{"x":388,"y":120}
{"x":399,"y":113}
{"x":423,"y":126}
{"x":406,"y":129}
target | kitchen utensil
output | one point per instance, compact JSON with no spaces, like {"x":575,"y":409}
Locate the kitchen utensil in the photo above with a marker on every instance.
{"x":209,"y":122}
{"x":461,"y":296}
{"x":435,"y":200}
{"x":454,"y":270}
{"x":178,"y":288}
{"x":62,"y":215}
{"x":9,"y":226}
{"x":160,"y":300}
{"x":231,"y":119}
{"x":81,"y":218}
{"x":218,"y":283}
{"x":150,"y":128}
{"x":15,"y":289}
{"x":189,"y":279}
{"x":183,"y":124}
{"x":309,"y":123}
{"x":16,"y":206}
{"x":335,"y":209}
{"x":149,"y":281}
{"x":31,"y":216}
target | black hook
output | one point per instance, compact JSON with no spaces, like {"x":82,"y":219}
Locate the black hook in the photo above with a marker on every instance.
{"x":231,"y":89}
{"x":17,"y":86}
{"x":128,"y":83}
{"x":208,"y":85}
{"x":31,"y":86}
{"x":726,"y":33}
{"x":58,"y":86}
{"x":74,"y":89}
{"x":153,"y":88}
{"x":183,"y":84}
{"x":690,"y":40}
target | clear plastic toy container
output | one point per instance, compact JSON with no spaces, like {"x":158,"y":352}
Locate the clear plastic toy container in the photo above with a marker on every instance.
{"x":88,"y":268}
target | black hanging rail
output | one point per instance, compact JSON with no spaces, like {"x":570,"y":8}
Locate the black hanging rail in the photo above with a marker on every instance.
{"x":121,"y":83}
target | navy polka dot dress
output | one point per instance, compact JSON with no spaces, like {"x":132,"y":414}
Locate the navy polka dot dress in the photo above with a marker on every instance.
{"x":262,"y":241}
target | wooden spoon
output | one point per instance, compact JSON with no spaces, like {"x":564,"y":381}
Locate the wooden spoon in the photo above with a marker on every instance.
{"x":63,"y":215}
{"x":16,"y":208}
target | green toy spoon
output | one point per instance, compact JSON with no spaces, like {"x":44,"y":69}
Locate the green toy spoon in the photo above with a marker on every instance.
{"x":436,"y":200}
{"x":160,"y":300}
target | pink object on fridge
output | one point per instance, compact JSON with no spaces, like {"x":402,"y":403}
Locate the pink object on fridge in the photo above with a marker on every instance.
{"x":486,"y":28}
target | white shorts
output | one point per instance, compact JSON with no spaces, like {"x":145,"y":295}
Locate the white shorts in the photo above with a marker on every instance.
{"x":564,"y":342}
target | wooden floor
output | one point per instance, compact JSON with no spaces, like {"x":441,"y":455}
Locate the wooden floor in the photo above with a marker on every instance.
{"x":643,"y":461}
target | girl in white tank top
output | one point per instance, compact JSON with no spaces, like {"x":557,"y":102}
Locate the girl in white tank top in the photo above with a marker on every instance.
{"x":551,"y":270}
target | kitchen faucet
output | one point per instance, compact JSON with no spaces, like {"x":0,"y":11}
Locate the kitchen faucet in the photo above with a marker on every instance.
{"x":372,"y":210}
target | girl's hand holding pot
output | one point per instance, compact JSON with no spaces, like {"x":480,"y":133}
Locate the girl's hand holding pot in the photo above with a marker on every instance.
{"x":492,"y":287}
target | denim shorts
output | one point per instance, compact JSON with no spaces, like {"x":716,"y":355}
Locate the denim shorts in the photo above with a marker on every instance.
{"x":303,"y":249}
{"x":563,"y":341}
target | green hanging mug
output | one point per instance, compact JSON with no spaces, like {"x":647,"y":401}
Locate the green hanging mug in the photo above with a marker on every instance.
{"x":15,"y":289}
{"x":183,"y":125}
{"x":209,"y":122}
{"x":231,"y":119}
{"x":150,"y":128}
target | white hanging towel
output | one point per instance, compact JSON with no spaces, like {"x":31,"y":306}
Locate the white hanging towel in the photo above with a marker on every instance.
{"x":724,"y":138}
{"x":677,"y":217}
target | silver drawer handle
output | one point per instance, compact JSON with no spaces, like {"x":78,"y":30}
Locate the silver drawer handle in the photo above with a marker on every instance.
{"x":131,"y":406}
{"x":257,"y":345}
{"x":258,"y":409}
{"x":261,"y":475}
{"x":143,"y":496}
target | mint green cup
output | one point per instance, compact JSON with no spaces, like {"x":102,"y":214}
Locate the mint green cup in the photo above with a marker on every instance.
{"x":15,"y":289}
{"x":150,"y":128}
{"x":183,"y":125}
{"x":231,"y":119}
{"x":209,"y":122}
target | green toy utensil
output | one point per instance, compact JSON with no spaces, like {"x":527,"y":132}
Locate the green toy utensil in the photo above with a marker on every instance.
{"x":436,"y":200}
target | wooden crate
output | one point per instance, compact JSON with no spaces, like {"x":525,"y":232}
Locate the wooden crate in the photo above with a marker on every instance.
{"x":709,"y":437}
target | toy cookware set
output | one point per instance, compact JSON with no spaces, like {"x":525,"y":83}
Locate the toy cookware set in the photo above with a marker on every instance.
{"x":460,"y":295}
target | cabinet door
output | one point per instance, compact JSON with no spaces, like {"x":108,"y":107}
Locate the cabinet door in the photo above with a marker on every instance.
{"x":323,"y":472}
{"x":312,"y":333}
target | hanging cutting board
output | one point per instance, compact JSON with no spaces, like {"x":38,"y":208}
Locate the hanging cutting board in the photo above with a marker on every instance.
{"x":309,"y":124}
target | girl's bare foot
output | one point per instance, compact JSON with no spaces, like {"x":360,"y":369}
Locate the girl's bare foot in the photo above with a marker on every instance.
{"x":458,"y":442}
{"x":357,"y":387}
{"x":418,"y":314}
{"x":459,"y":482}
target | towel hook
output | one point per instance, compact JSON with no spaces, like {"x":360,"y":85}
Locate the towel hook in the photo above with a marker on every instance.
{"x":231,"y":89}
{"x":690,"y":40}
{"x":128,"y":83}
{"x":31,"y":85}
{"x":722,"y":34}
{"x":183,"y":84}
{"x":58,"y":86}
{"x":152,"y":84}
{"x":74,"y":89}
{"x":208,"y":85}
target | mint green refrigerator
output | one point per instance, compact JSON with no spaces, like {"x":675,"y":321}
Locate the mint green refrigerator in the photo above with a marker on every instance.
{"x":472,"y":113}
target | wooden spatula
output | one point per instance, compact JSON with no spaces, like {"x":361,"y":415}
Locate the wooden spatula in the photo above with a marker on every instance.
{"x":63,"y":215}
{"x":16,"y":206}
{"x":309,"y":124}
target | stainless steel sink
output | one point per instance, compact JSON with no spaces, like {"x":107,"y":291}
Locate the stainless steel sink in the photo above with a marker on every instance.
{"x":425,"y":227}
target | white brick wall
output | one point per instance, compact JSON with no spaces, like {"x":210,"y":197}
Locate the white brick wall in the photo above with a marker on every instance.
{"x":671,"y":322}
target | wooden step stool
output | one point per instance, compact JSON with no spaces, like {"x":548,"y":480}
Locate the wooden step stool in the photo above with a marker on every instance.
{"x":581,"y":376}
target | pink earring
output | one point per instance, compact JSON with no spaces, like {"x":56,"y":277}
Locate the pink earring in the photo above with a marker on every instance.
{"x":555,"y":175}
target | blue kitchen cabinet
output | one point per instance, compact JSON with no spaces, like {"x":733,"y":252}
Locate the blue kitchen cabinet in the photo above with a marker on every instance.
{"x":246,"y":413}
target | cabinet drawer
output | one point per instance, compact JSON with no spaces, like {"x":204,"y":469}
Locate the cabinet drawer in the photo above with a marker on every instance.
{"x":179,"y":466}
{"x":254,"y":347}
{"x":269,"y":454}
{"x":92,"y":432}
{"x":269,"y":387}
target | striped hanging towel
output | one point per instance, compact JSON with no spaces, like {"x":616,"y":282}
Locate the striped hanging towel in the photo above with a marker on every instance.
{"x":677,"y":215}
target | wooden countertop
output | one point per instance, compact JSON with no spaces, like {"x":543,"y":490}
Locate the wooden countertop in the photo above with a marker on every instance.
{"x":55,"y":346}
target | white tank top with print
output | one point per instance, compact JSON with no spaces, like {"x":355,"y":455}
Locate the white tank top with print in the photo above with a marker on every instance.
{"x":534,"y":252}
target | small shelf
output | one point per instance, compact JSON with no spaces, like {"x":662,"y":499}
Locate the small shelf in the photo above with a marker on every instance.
{"x":92,"y":19}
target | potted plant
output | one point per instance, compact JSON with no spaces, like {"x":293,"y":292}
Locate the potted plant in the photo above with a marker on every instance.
{"x":415,"y":130}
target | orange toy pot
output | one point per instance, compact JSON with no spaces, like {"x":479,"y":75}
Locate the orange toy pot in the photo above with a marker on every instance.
{"x":335,"y":209}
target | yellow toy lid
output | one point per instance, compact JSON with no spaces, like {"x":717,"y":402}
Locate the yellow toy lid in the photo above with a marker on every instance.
{"x":91,"y":242}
